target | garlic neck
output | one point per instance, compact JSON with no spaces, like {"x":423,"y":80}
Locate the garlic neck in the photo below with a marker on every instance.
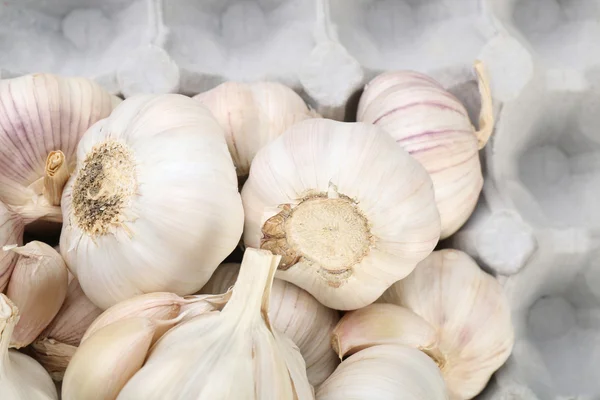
{"x":56,"y":176}
{"x":437,"y":356}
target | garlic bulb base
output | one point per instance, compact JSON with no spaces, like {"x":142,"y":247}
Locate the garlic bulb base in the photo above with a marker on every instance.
{"x":57,"y":175}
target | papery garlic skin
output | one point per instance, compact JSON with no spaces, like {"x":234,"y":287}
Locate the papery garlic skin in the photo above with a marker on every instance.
{"x":252,"y":115}
{"x":11,"y":233}
{"x":385,"y":372}
{"x":43,"y":113}
{"x":470,"y":312}
{"x":164,"y":209}
{"x":21,"y":377}
{"x":349,"y":210}
{"x":298,"y":315}
{"x":434,"y":127}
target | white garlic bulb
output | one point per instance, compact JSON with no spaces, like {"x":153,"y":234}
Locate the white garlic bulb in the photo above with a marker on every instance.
{"x":252,"y":115}
{"x":385,"y":372}
{"x":348,"y":209}
{"x":153,"y":203}
{"x":470,"y":312}
{"x":41,"y":121}
{"x":21,"y":377}
{"x":434,"y":127}
{"x":232,"y":354}
{"x":11,"y":233}
{"x":295,"y":313}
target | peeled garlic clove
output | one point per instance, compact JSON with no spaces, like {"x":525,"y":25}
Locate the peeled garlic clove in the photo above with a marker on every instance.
{"x":104,"y":362}
{"x":50,"y":114}
{"x":231,"y":354}
{"x":298,"y":315}
{"x":378,"y":324}
{"x":434,"y":127}
{"x":38,"y":287}
{"x":162,"y":211}
{"x":11,"y":233}
{"x":252,"y":115}
{"x":349,"y":210}
{"x":470,"y":312}
{"x":21,"y":377}
{"x":385,"y":372}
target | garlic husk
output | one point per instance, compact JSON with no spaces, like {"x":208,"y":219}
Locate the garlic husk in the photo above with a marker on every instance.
{"x":252,"y":115}
{"x":162,"y":212}
{"x":348,"y":209}
{"x":385,"y":372}
{"x":54,"y":356}
{"x":11,"y":233}
{"x":103,"y":363}
{"x":470,"y":312}
{"x":298,"y":315}
{"x":434,"y":127}
{"x":50,"y":114}
{"x":38,"y":287}
{"x":378,"y":324}
{"x":21,"y":377}
{"x":231,"y":354}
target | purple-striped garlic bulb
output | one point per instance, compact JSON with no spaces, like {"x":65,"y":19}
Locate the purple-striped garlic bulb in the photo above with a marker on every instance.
{"x":434,"y":127}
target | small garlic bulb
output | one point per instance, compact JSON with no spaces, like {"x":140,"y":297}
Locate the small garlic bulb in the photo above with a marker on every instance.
{"x":153,"y":203}
{"x":295,"y":313}
{"x":434,"y":127}
{"x":21,"y":377}
{"x":470,"y":312}
{"x":385,"y":372}
{"x":42,"y":119}
{"x":11,"y":233}
{"x":252,"y":115}
{"x":232,"y":354}
{"x":349,"y":211}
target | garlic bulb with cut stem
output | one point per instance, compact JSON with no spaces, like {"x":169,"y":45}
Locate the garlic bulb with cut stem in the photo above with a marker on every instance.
{"x":349,"y":210}
{"x":252,"y":115}
{"x":470,"y":312}
{"x":11,"y":233}
{"x":434,"y":127}
{"x":42,"y":118}
{"x":21,"y":377}
{"x":38,"y":287}
{"x":232,"y":354}
{"x":385,"y":372}
{"x":153,"y":204}
{"x":297,"y":314}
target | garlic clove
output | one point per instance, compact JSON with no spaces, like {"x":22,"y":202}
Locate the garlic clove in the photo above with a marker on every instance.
{"x":378,"y":324}
{"x":104,"y":363}
{"x":11,"y":233}
{"x":38,"y":286}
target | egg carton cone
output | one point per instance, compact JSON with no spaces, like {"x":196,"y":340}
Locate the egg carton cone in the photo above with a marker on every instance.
{"x":536,"y":226}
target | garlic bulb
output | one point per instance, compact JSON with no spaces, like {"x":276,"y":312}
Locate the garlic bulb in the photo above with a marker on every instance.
{"x":349,"y":211}
{"x":386,"y":372}
{"x":153,"y":203}
{"x":21,"y":377}
{"x":11,"y":233}
{"x":38,"y":287}
{"x":41,"y":121}
{"x":434,"y":127}
{"x":252,"y":115}
{"x":232,"y":354}
{"x":55,"y":346}
{"x":470,"y":312}
{"x":298,"y":315}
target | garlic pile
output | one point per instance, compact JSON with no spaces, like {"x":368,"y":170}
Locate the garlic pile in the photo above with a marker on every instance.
{"x":349,"y":210}
{"x":252,"y":115}
{"x":296,"y":314}
{"x":153,"y":203}
{"x":434,"y":127}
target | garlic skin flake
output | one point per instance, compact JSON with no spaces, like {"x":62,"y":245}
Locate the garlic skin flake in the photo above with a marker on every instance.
{"x":470,"y":312}
{"x":434,"y":127}
{"x":153,"y":204}
{"x":50,"y":114}
{"x":11,"y":234}
{"x":349,"y":210}
{"x":298,"y":315}
{"x":385,"y":372}
{"x":21,"y":377}
{"x":232,"y":354}
{"x":252,"y":115}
